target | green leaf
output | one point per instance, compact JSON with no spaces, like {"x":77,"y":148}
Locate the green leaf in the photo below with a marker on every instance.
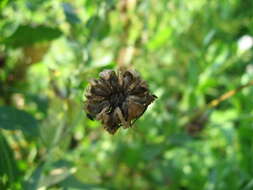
{"x":26,"y":35}
{"x":35,"y":4}
{"x":99,"y":27}
{"x":70,"y":14}
{"x":13,"y":119}
{"x":73,"y":183}
{"x":3,"y":3}
{"x":33,"y":182}
{"x":8,"y":167}
{"x":160,"y":38}
{"x":61,"y":174}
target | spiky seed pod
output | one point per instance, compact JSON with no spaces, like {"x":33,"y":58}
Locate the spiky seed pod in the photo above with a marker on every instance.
{"x":117,"y":99}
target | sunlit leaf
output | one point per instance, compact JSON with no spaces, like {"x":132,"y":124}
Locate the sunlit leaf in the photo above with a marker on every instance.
{"x":3,"y":3}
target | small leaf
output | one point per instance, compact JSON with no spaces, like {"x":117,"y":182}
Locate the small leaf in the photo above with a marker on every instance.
{"x":13,"y":119}
{"x":26,"y":35}
{"x":70,"y":14}
{"x":160,"y":38}
{"x":35,"y":4}
{"x":99,"y":27}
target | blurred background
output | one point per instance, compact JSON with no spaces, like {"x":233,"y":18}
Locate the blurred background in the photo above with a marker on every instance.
{"x":189,"y":51}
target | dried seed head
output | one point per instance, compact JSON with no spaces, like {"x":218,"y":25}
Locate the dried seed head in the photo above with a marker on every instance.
{"x":117,"y":99}
{"x":197,"y":123}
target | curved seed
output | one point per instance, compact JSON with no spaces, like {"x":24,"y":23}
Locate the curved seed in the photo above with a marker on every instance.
{"x":118,"y":113}
{"x":98,"y":91}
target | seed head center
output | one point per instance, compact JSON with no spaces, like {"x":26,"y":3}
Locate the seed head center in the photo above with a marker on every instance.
{"x":117,"y":99}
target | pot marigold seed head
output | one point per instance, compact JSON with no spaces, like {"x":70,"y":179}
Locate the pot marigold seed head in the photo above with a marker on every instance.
{"x":117,"y":99}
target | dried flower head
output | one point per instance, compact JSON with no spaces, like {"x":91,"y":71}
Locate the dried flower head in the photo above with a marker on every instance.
{"x":117,"y":99}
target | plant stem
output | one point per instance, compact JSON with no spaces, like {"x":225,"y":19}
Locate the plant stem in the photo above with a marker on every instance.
{"x":227,"y":95}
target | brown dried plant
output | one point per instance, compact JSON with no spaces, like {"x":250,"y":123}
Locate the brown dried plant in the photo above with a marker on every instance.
{"x":117,"y":99}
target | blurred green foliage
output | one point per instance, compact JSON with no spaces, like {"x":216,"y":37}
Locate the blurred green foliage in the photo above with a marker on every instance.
{"x":189,"y":51}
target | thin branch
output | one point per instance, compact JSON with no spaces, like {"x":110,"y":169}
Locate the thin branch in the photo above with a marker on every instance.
{"x":227,"y":95}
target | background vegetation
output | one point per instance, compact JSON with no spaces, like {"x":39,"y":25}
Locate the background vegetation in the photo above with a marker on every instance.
{"x":189,"y":51}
